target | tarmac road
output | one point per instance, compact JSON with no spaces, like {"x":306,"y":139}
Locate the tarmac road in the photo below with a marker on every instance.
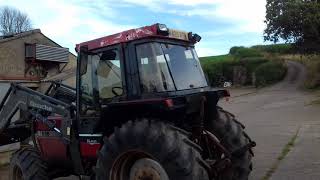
{"x":272,"y":116}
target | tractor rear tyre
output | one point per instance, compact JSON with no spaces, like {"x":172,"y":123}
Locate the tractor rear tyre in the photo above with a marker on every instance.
{"x":26,"y":164}
{"x":150,"y":150}
{"x":231,"y":134}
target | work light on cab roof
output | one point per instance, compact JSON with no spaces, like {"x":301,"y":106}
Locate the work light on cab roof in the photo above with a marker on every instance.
{"x":155,"y":30}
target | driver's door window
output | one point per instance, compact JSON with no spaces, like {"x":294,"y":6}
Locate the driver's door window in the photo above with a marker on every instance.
{"x":102,"y":78}
{"x":108,"y":72}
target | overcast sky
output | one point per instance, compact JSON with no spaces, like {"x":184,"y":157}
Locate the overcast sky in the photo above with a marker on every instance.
{"x":221,"y":23}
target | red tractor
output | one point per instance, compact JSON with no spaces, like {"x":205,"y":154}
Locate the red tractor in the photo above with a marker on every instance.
{"x":142,"y":110}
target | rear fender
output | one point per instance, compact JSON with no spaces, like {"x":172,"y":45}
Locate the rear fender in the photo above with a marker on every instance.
{"x":212,"y":100}
{"x":215,"y":95}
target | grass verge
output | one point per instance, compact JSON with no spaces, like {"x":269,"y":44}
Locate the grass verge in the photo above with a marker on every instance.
{"x":286,"y":149}
{"x":312,"y":64}
{"x":316,"y":100}
{"x":269,"y":73}
{"x":5,"y":158}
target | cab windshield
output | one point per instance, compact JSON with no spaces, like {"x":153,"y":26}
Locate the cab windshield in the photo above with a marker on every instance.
{"x":168,"y":67}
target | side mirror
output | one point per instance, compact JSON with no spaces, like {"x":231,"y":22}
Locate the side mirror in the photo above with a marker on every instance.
{"x":227,"y":84}
{"x":194,"y":38}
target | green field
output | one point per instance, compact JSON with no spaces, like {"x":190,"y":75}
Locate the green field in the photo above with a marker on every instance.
{"x":207,"y":59}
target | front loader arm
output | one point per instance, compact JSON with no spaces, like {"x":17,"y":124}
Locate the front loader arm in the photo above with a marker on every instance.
{"x":38,"y":105}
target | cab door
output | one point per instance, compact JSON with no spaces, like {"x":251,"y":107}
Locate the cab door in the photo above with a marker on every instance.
{"x":100,"y":81}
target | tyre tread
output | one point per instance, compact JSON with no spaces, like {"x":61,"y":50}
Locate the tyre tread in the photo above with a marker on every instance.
{"x":168,"y":145}
{"x":30,"y":163}
{"x":232,"y":136}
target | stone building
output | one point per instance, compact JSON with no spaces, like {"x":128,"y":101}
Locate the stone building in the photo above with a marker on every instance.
{"x":31,"y":57}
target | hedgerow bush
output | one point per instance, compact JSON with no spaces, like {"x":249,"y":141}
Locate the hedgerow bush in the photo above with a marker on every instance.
{"x":247,"y":52}
{"x":216,"y":58}
{"x":313,"y":73}
{"x":220,"y":71}
{"x":275,"y":48}
{"x":312,"y":64}
{"x":254,"y":60}
{"x":234,"y":49}
{"x":269,"y":72}
{"x":242,"y":52}
{"x":251,"y":64}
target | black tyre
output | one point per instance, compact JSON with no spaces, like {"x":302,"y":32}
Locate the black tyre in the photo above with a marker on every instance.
{"x":26,"y":164}
{"x":231,"y":134}
{"x":149,"y":150}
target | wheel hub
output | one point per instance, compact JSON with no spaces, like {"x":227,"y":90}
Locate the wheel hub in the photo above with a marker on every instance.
{"x":146,"y":173}
{"x":147,"y":169}
{"x":137,"y":165}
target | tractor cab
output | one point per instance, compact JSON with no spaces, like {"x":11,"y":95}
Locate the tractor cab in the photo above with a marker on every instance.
{"x":137,"y":71}
{"x":148,"y":62}
{"x":145,"y":72}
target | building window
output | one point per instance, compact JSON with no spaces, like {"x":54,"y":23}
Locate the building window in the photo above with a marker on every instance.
{"x":30,"y":51}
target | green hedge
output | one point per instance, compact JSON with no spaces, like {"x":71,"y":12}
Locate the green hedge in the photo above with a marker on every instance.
{"x":313,"y":73}
{"x":220,"y":71}
{"x":312,"y":64}
{"x":247,"y":52}
{"x":217,"y":71}
{"x":251,"y":64}
{"x":256,"y":51}
{"x":220,"y":68}
{"x":275,"y":48}
{"x":240,"y":52}
{"x":269,"y":72}
{"x":234,"y":49}
{"x":210,"y":59}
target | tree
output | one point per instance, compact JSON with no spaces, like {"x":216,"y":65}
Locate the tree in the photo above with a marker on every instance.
{"x":294,"y":21}
{"x":13,"y":21}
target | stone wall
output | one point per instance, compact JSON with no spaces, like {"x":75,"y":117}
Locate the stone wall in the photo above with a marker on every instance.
{"x":12,"y":65}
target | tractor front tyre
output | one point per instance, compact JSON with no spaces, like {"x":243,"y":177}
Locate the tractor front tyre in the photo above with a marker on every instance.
{"x":26,"y":164}
{"x":147,"y":149}
{"x":231,"y":134}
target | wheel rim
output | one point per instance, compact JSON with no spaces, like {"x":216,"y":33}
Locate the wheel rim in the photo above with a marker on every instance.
{"x":17,"y":173}
{"x":137,"y":165}
{"x":147,"y":169}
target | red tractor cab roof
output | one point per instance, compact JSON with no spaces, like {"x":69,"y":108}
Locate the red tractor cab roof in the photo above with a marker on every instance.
{"x":155,"y":30}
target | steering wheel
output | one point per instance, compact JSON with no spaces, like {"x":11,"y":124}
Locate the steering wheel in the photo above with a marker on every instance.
{"x":114,"y":92}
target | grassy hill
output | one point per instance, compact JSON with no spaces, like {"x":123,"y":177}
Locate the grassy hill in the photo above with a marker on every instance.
{"x":265,"y":62}
{"x":244,"y":66}
{"x":216,"y":58}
